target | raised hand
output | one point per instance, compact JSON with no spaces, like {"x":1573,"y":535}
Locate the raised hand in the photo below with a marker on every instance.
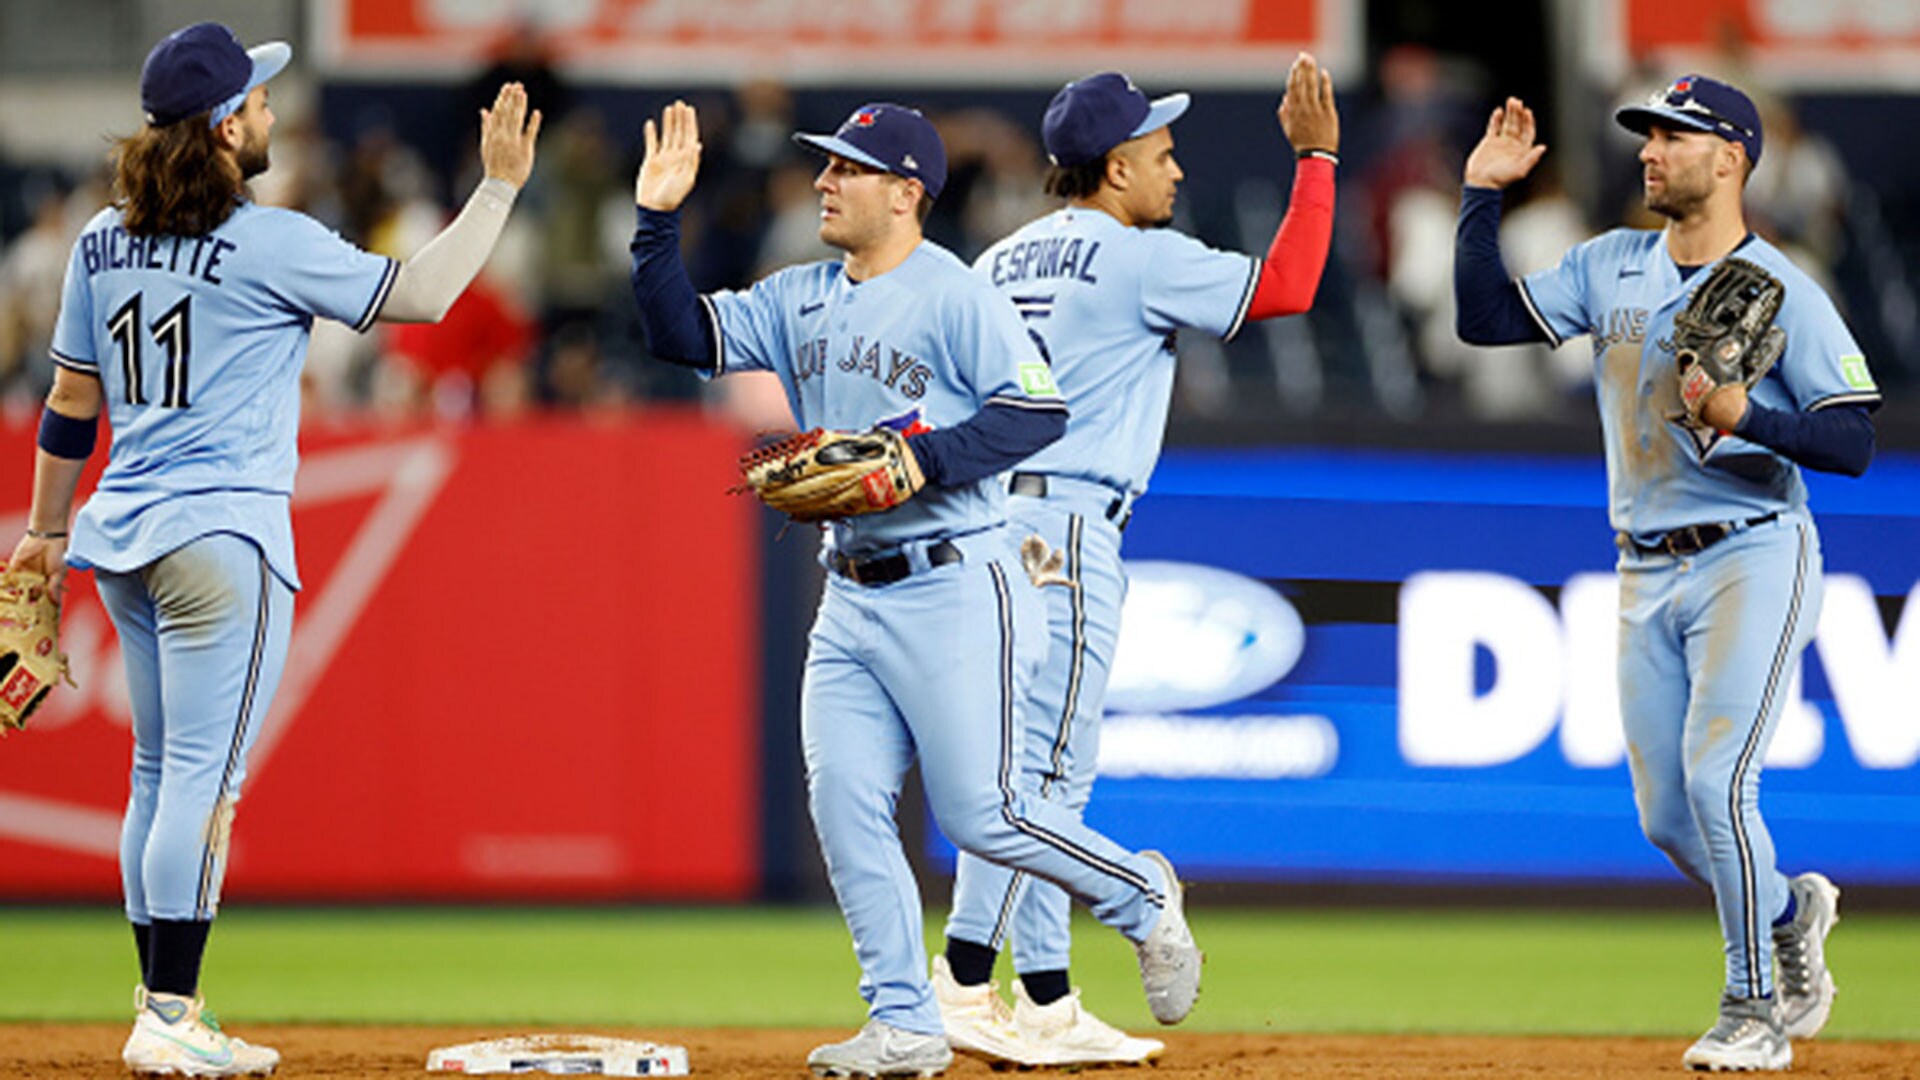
{"x":1506,"y":153}
{"x":1307,"y":114}
{"x":673,"y":159}
{"x":507,"y":135}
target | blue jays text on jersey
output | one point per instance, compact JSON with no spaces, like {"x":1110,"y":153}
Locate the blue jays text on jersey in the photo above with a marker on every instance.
{"x":1622,"y":324}
{"x":896,"y":370}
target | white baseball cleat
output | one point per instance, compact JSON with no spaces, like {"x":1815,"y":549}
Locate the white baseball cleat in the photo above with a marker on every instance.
{"x":1806,"y":989}
{"x":1063,"y":1032}
{"x":977,"y":1019}
{"x":1169,"y":960}
{"x":175,"y":1035}
{"x":883,"y":1050}
{"x":1746,"y":1039}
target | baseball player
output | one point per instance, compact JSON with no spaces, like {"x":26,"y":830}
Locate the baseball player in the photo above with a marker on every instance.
{"x":185,"y":317}
{"x":1720,"y":579}
{"x":1102,"y":288}
{"x":928,"y":633}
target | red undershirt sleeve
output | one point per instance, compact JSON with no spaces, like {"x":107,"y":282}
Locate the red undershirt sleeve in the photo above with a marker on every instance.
{"x":1290,"y":275}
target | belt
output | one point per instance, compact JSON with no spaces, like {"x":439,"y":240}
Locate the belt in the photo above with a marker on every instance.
{"x":1693,"y":539}
{"x":1034,"y":486}
{"x":887,"y":569}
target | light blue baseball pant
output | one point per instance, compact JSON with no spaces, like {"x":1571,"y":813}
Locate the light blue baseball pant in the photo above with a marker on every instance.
{"x":1709,"y":645}
{"x":1061,"y":748}
{"x":203,"y":633}
{"x":937,"y":666}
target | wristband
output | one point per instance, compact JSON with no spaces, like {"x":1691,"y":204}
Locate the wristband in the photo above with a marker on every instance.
{"x":38,"y":535}
{"x":67,"y":437}
{"x":1315,"y":152}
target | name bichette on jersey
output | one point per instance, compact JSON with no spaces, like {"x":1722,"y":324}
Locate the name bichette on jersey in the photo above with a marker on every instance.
{"x":1047,"y":257}
{"x":194,"y":256}
{"x":888,"y":366}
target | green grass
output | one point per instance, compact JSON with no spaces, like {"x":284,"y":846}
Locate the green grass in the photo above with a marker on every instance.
{"x":1284,"y":970}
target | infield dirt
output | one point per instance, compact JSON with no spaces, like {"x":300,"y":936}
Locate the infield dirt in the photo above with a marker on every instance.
{"x":93,"y":1050}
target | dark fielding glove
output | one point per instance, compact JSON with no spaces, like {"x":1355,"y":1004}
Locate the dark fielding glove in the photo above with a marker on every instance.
{"x":818,"y":475}
{"x":1726,"y":336}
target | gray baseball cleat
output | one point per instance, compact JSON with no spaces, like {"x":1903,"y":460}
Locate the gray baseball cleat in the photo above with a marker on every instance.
{"x":1806,"y":987}
{"x":1747,"y":1039}
{"x":1169,"y":960}
{"x":883,"y":1050}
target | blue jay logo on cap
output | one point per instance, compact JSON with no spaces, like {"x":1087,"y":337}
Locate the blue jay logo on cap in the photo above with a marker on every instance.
{"x":891,"y":138}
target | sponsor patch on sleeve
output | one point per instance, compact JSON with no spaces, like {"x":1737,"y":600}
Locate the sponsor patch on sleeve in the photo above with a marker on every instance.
{"x":1037,"y":380}
{"x":1854,"y":370}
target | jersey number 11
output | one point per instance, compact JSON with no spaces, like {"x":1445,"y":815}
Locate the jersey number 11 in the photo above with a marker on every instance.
{"x":170,"y":330}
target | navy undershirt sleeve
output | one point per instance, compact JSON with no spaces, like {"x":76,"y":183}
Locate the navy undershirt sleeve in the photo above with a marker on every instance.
{"x":1488,"y":309}
{"x":678,"y":327}
{"x":1836,"y":440}
{"x":993,"y":440}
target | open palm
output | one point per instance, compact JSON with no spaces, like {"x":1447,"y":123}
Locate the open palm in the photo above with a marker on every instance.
{"x":1506,"y":152}
{"x":673,"y":159}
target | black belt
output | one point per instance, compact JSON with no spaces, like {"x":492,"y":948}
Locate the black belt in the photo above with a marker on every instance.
{"x":1034,"y":486}
{"x":1694,"y":539}
{"x":887,"y":569}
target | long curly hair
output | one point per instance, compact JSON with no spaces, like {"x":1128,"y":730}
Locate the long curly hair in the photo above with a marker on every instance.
{"x":175,"y":180}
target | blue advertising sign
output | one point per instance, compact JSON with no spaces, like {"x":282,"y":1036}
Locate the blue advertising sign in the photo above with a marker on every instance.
{"x":1376,"y":665}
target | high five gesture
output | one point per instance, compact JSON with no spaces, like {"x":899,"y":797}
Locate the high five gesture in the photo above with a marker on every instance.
{"x":1506,"y":153}
{"x":672,"y":163}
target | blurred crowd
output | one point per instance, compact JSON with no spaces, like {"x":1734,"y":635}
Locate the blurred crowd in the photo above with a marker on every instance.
{"x":549,"y":324}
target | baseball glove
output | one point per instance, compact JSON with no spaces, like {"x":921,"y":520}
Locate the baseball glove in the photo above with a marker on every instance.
{"x":818,"y":475}
{"x":1726,"y":336}
{"x":30,"y":657}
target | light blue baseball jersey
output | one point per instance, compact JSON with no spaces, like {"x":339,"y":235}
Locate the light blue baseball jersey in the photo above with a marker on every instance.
{"x":1103,"y":301}
{"x":198,"y":343}
{"x":924,"y":336}
{"x":1624,"y":289}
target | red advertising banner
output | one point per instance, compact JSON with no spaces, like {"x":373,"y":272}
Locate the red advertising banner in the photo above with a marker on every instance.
{"x":949,"y":41}
{"x":521,"y":667}
{"x":1857,"y":43}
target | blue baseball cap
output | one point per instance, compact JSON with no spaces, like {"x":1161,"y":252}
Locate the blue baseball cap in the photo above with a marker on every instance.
{"x":1697,"y":103}
{"x":204,"y":68}
{"x":1093,"y":115}
{"x":891,"y":138}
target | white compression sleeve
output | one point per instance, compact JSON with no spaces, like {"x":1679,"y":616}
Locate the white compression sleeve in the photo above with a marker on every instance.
{"x":429,"y":283}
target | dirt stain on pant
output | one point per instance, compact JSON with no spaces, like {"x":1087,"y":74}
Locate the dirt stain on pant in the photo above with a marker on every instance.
{"x":1717,"y":728}
{"x":191,"y":594}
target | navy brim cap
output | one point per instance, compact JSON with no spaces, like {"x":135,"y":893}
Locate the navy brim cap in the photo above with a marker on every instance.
{"x":833,"y":144}
{"x":1162,"y":112}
